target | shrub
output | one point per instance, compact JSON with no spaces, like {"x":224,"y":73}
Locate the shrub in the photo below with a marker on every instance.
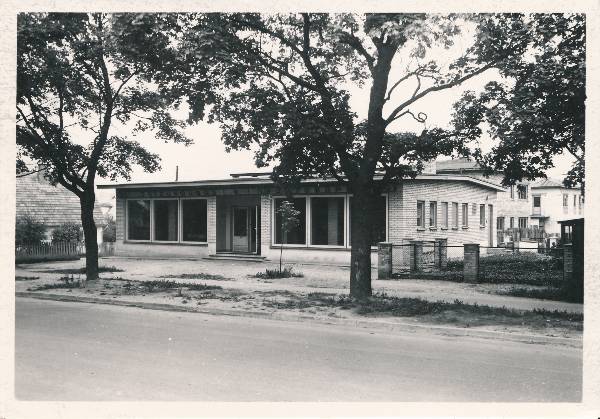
{"x":276,"y":273}
{"x":29,"y":231}
{"x":67,"y":233}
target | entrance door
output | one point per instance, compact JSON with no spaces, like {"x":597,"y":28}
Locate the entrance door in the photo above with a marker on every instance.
{"x":240,"y":229}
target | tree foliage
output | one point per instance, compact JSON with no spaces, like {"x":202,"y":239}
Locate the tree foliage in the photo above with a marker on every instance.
{"x":537,"y":111}
{"x":288,"y":81}
{"x":79,"y":75}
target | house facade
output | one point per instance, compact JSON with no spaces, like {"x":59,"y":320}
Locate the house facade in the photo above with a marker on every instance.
{"x":513,"y":204}
{"x":239,"y":216}
{"x":552,"y":203}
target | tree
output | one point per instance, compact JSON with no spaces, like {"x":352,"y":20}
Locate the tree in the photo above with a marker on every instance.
{"x":289,"y":220}
{"x":538,"y":110}
{"x":29,"y":231}
{"x":79,"y":75}
{"x":286,"y":92}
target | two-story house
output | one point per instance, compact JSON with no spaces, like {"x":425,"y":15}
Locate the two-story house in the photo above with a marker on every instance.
{"x":553,"y":202}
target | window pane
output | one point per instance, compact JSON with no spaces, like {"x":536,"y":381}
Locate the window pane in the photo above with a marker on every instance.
{"x":327,"y":221}
{"x":465,"y":214}
{"x":455,"y":214}
{"x":482,"y":215}
{"x":433,"y":214}
{"x":138,"y":220}
{"x":445,"y":214}
{"x":297,"y":235}
{"x":420,"y":214}
{"x":537,"y":201}
{"x":165,"y":220}
{"x":377,"y":221}
{"x":194,"y":220}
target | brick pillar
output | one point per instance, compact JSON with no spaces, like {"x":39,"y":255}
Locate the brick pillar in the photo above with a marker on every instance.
{"x":416,"y":255}
{"x":441,"y":253}
{"x":384,"y":260}
{"x":568,"y":262}
{"x":265,"y":225}
{"x":211,"y":227}
{"x":471,"y":262}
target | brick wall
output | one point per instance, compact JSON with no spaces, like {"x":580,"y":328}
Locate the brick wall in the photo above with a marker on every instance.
{"x":265,"y":224}
{"x":211,"y":231}
{"x":402,"y":217}
{"x":120,"y":219}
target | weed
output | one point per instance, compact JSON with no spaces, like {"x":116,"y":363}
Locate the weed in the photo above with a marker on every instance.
{"x":200,"y":275}
{"x":26,"y":278}
{"x":287,"y":272}
{"x":67,"y":283}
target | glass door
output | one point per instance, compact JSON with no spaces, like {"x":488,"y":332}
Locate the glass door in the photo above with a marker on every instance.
{"x":240,"y":230}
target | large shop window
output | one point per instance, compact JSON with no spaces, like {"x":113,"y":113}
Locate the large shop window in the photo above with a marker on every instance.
{"x":165,"y":220}
{"x":138,"y":220}
{"x":298,"y":234}
{"x":327,"y":221}
{"x":193,"y":214}
{"x":378,"y":221}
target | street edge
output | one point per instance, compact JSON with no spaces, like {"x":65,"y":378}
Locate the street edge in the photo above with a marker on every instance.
{"x":448,"y":331}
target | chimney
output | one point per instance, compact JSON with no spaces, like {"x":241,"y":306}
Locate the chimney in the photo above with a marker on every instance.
{"x":429,"y":167}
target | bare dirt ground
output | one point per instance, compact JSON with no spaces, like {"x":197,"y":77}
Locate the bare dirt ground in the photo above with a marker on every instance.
{"x":321,"y":293}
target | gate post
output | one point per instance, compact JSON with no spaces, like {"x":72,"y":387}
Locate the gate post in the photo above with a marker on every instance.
{"x":471,"y":262}
{"x":440,"y":256}
{"x":384,"y":260}
{"x":416,"y":255}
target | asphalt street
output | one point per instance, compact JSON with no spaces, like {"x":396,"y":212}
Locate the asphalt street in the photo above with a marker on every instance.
{"x":77,"y":351}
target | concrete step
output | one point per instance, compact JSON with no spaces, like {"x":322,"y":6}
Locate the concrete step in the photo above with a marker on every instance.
{"x":237,"y":256}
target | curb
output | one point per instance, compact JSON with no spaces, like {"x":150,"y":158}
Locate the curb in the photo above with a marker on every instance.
{"x":377,"y":324}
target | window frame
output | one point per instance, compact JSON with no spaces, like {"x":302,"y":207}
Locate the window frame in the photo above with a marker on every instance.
{"x":433,"y":216}
{"x":179,"y":221}
{"x":455,"y":215}
{"x":482,"y":216}
{"x":309,"y":216}
{"x":526,"y":222}
{"x":526,"y":193}
{"x":444,"y":207}
{"x":274,"y":221}
{"x":565,"y":202}
{"x":464,"y":215}
{"x":422,"y":225}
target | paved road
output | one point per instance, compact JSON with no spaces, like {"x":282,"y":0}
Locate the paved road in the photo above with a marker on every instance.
{"x":77,"y":351}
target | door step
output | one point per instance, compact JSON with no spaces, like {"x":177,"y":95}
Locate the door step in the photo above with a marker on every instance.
{"x":237,"y":256}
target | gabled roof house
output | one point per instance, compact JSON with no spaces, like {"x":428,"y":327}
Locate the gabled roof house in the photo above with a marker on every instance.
{"x":51,"y":205}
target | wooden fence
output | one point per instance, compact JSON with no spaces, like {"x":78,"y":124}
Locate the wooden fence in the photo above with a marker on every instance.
{"x":57,"y":251}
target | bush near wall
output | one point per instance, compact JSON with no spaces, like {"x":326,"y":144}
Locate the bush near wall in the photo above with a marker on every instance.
{"x":29,"y":231}
{"x":67,"y":233}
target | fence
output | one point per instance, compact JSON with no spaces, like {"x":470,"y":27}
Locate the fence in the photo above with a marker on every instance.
{"x":57,"y":251}
{"x":468,"y":262}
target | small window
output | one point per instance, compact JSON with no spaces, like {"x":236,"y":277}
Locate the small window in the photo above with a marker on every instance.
{"x":574,"y":201}
{"x":482,"y":215}
{"x":522,"y":222}
{"x":433,"y":214}
{"x":465,"y":215}
{"x":444,"y":215}
{"x":537,"y":201}
{"x":455,"y":214}
{"x":522,"y":191}
{"x":512,"y":222}
{"x":421,"y":214}
{"x":138,"y":220}
{"x":565,"y":200}
{"x":500,"y":223}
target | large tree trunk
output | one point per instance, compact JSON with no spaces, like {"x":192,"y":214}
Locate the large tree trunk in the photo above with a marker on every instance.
{"x":91,"y":235}
{"x":360,"y":259}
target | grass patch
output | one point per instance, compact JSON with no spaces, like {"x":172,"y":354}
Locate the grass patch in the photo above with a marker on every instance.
{"x":200,"y":275}
{"x":26,"y":278}
{"x":73,"y":271}
{"x":67,"y":283}
{"x":161,"y":285}
{"x":287,"y":272}
{"x":456,"y":312}
{"x":547,"y":293}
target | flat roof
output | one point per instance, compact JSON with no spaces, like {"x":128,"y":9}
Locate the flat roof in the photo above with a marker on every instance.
{"x":258,"y":179}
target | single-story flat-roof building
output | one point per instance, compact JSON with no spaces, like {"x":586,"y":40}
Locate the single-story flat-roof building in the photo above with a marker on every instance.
{"x":213,"y":218}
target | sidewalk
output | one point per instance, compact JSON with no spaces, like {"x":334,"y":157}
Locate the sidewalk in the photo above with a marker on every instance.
{"x":317,"y":278}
